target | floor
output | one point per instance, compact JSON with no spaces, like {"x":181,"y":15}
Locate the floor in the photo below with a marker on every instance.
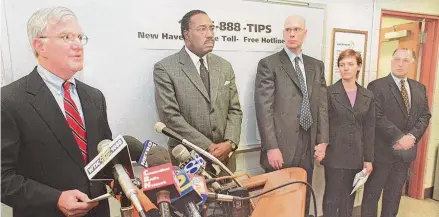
{"x":409,"y":208}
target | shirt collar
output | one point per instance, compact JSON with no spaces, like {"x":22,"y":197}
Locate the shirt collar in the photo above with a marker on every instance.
{"x":52,"y":80}
{"x":398,"y":80}
{"x":195,"y":59}
{"x":292,"y":55}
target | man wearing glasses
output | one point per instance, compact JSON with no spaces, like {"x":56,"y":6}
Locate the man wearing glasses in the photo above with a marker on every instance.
{"x":291,"y":105}
{"x":51,"y":125}
{"x":196,"y":94}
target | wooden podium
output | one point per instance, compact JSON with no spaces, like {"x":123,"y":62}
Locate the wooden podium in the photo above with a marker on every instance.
{"x":288,"y":201}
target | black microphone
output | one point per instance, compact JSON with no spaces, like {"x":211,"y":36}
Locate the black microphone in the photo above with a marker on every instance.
{"x":139,"y":152}
{"x":121,"y":175}
{"x":193,"y":164}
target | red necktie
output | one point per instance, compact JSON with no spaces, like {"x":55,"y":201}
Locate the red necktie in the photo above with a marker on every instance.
{"x":75,"y":122}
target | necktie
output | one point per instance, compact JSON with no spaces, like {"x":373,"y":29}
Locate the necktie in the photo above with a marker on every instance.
{"x":204,"y":74}
{"x":405,"y":96}
{"x":75,"y":122}
{"x":305,"y":111}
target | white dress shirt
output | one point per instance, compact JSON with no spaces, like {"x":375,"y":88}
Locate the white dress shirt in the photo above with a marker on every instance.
{"x":54,"y":83}
{"x":196,"y":60}
{"x":292,"y":56}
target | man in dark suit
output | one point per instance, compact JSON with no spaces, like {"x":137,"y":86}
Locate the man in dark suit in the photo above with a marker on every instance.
{"x":51,"y":125}
{"x":291,"y":105}
{"x":196,"y":94}
{"x":402,"y":116}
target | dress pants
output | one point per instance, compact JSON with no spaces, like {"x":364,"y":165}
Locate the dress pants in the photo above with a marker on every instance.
{"x":389,"y":178}
{"x":337,"y":199}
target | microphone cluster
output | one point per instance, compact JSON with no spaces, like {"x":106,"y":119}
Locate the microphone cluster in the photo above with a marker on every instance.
{"x":162,"y":189}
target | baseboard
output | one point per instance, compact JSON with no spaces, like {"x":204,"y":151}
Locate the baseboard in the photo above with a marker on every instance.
{"x":428,"y":192}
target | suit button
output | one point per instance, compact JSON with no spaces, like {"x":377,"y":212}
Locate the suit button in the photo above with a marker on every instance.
{"x":212,"y":110}
{"x":214,"y":128}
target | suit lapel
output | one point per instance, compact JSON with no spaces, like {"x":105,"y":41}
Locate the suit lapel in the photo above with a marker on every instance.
{"x":361,"y":98}
{"x":341,"y":96}
{"x":46,"y":106}
{"x":397,"y":94}
{"x":214,"y":77}
{"x":288,"y":67}
{"x":415,"y":97}
{"x":91,"y":124}
{"x":191,"y":72}
{"x":310,"y":72}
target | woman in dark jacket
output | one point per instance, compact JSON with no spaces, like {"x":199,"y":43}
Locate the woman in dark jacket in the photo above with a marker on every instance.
{"x":351,"y":112}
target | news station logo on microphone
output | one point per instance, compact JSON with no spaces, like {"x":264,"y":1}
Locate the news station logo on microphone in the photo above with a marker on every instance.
{"x":161,"y":176}
{"x":105,"y":156}
{"x":193,"y":164}
{"x":147,"y":145}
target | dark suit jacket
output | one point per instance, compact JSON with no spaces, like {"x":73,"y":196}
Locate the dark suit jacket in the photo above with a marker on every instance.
{"x":351,"y":129}
{"x":278,"y":100}
{"x":40,"y":157}
{"x":184,"y":105}
{"x":392,"y":120}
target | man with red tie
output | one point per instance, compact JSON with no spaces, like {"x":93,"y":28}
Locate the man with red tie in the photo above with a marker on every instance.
{"x":51,"y":125}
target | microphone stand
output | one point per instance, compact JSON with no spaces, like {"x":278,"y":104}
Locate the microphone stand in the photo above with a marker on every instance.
{"x":212,"y":158}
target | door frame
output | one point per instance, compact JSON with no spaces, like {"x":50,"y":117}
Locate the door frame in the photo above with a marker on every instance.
{"x":427,"y":77}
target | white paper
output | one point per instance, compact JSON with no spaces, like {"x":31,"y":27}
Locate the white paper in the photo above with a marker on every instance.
{"x":359,"y":180}
{"x":102,"y":197}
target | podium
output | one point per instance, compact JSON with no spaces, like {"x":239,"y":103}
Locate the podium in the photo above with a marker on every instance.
{"x":288,"y":201}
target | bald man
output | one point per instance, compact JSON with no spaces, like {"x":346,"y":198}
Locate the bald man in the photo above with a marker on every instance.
{"x":291,"y":105}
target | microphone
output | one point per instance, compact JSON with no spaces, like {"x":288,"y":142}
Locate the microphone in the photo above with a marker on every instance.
{"x":161,"y":128}
{"x":189,"y":197}
{"x":148,"y":206}
{"x":194,"y":164}
{"x":120,"y":174}
{"x":199,"y":185}
{"x":239,"y":207}
{"x":159,"y":180}
{"x":139,"y":152}
{"x":126,"y":207}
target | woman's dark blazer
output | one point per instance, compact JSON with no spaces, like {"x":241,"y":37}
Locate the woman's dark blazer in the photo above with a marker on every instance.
{"x":351,"y":129}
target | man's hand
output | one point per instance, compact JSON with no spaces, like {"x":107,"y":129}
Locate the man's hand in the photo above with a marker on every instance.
{"x":221,"y":150}
{"x":320,"y":151}
{"x":73,"y":203}
{"x":368,"y":166}
{"x":397,"y":146}
{"x":275,"y":158}
{"x":407,"y":142}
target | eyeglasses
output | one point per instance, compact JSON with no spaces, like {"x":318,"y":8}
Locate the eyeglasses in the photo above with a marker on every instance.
{"x":203,"y":29}
{"x":295,"y":30}
{"x":69,"y":38}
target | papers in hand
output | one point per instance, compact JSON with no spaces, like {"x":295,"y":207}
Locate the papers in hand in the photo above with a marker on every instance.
{"x":102,"y":197}
{"x":359,"y":180}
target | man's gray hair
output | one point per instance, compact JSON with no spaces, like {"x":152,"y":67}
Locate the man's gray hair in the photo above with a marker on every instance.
{"x":40,"y":20}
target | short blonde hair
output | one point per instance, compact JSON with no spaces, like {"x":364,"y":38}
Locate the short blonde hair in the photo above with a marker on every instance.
{"x":39,"y":21}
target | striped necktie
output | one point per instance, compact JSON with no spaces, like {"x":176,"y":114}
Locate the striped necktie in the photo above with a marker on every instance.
{"x":405,"y":95}
{"x":75,"y":122}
